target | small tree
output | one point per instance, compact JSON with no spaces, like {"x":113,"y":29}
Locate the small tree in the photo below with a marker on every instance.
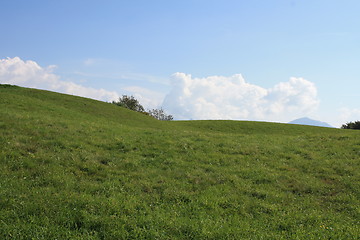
{"x":160,"y":114}
{"x":351,"y":125}
{"x":129,"y":102}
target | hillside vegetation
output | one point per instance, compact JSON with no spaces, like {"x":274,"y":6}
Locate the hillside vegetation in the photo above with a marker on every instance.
{"x":76,"y":168}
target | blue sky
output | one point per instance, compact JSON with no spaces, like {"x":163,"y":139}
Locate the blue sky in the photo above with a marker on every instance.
{"x":137,"y":47}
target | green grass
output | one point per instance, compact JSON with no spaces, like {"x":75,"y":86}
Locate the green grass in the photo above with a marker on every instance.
{"x":75,"y":168}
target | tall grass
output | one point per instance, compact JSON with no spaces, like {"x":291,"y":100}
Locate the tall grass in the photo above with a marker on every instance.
{"x":75,"y":168}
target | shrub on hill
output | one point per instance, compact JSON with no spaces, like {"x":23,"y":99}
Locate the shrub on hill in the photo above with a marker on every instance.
{"x":132,"y":103}
{"x":351,"y":125}
{"x":160,"y":114}
{"x":129,"y":102}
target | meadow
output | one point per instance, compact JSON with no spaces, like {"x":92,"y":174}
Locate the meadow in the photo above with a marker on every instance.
{"x":76,"y":168}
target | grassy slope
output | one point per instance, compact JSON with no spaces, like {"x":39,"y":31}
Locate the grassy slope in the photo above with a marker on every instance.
{"x":75,"y":168}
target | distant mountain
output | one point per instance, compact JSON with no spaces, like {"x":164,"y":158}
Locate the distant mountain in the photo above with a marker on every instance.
{"x":311,"y":122}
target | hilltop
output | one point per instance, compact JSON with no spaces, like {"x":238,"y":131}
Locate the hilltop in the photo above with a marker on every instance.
{"x":76,"y":168}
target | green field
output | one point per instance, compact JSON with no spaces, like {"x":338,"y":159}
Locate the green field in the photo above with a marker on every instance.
{"x":76,"y":168}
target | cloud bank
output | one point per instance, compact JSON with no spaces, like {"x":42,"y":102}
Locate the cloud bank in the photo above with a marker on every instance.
{"x":214,"y":97}
{"x":218,"y":97}
{"x":29,"y":74}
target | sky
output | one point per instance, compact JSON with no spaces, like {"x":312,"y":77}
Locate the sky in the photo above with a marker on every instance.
{"x":262,"y":60}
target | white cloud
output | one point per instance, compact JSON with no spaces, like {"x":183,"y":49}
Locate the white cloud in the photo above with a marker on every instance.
{"x":214,"y":97}
{"x":30,"y":74}
{"x":218,"y":97}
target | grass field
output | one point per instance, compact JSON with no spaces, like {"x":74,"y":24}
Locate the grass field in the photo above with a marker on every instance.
{"x":75,"y":168}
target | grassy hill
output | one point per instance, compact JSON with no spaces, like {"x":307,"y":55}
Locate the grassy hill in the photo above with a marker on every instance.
{"x":76,"y":168}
